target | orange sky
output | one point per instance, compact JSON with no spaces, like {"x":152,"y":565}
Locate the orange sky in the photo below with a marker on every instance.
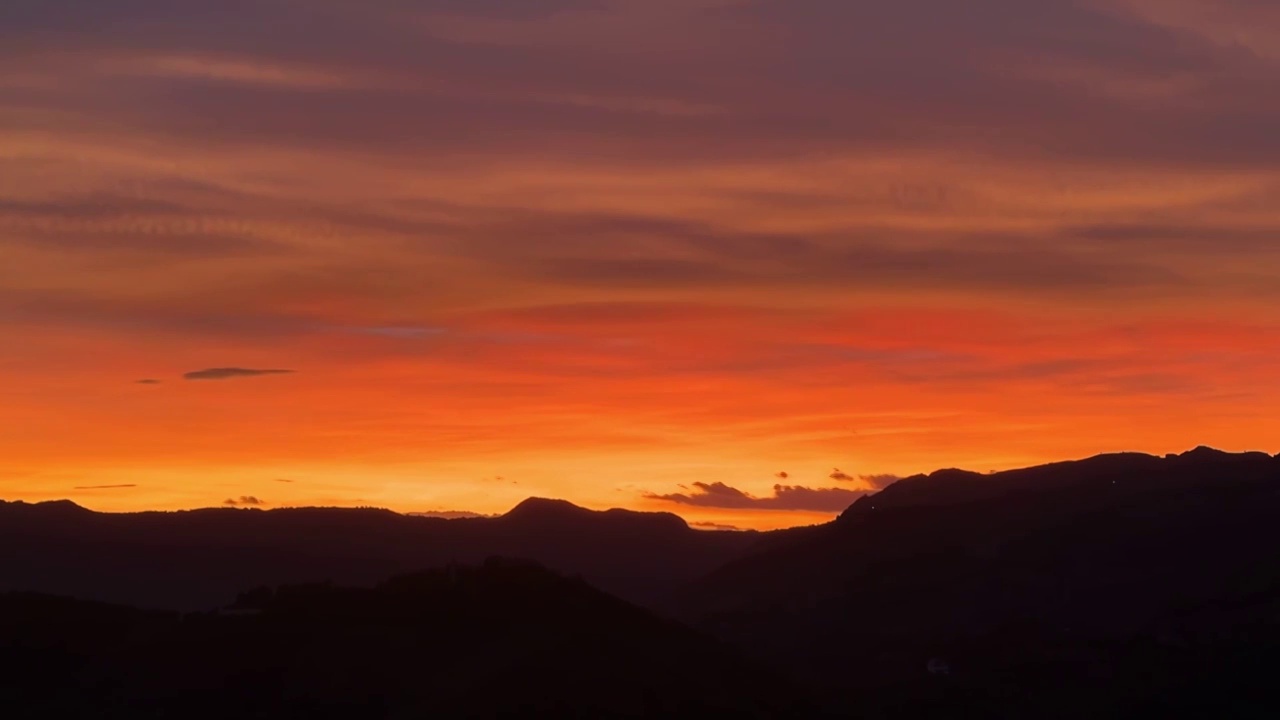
{"x":641,"y":253}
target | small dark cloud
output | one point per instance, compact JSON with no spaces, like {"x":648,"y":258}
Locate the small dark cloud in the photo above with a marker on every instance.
{"x":230,"y":373}
{"x":283,"y":480}
{"x":715,"y":526}
{"x":879,"y":481}
{"x":783,"y":475}
{"x":147,"y":381}
{"x":785,"y":497}
{"x":104,"y":487}
{"x":247,"y":500}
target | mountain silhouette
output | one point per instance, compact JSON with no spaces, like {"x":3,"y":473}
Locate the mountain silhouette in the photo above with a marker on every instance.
{"x":1119,"y":586}
{"x":1054,"y":587}
{"x":502,"y":639}
{"x":564,"y":515}
{"x":198,"y":560}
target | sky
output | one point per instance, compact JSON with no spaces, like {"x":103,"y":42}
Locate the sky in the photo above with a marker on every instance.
{"x":744,"y":260}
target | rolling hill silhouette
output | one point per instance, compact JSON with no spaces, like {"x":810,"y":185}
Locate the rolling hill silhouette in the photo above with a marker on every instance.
{"x":503,"y":639}
{"x":200,"y":559}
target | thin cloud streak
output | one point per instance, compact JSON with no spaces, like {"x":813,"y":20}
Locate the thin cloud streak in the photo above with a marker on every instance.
{"x":231,"y":373}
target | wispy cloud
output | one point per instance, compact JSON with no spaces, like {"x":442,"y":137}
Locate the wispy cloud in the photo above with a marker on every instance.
{"x":231,"y":373}
{"x":105,"y":487}
{"x":403,"y":333}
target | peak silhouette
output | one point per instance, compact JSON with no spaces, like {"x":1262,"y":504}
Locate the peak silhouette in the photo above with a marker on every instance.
{"x":1147,"y":471}
{"x":48,"y":509}
{"x":547,"y":507}
{"x":567,"y":516}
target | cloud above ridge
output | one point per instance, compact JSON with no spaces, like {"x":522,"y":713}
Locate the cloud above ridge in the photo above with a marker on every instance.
{"x":784,"y":497}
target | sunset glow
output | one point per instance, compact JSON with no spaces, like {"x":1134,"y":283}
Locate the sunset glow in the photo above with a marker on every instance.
{"x":622,"y":251}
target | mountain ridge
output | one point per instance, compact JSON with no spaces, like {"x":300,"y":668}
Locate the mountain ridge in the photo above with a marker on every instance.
{"x":532,"y":507}
{"x":642,"y":556}
{"x":1084,"y":555}
{"x":195,"y":559}
{"x":559,"y":508}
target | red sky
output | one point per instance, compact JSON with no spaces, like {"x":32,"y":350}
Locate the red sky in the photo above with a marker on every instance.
{"x":641,"y":253}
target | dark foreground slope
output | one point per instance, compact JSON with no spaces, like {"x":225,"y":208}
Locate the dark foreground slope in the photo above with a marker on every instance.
{"x":1120,"y":586}
{"x":199,"y":560}
{"x":506,"y":639}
